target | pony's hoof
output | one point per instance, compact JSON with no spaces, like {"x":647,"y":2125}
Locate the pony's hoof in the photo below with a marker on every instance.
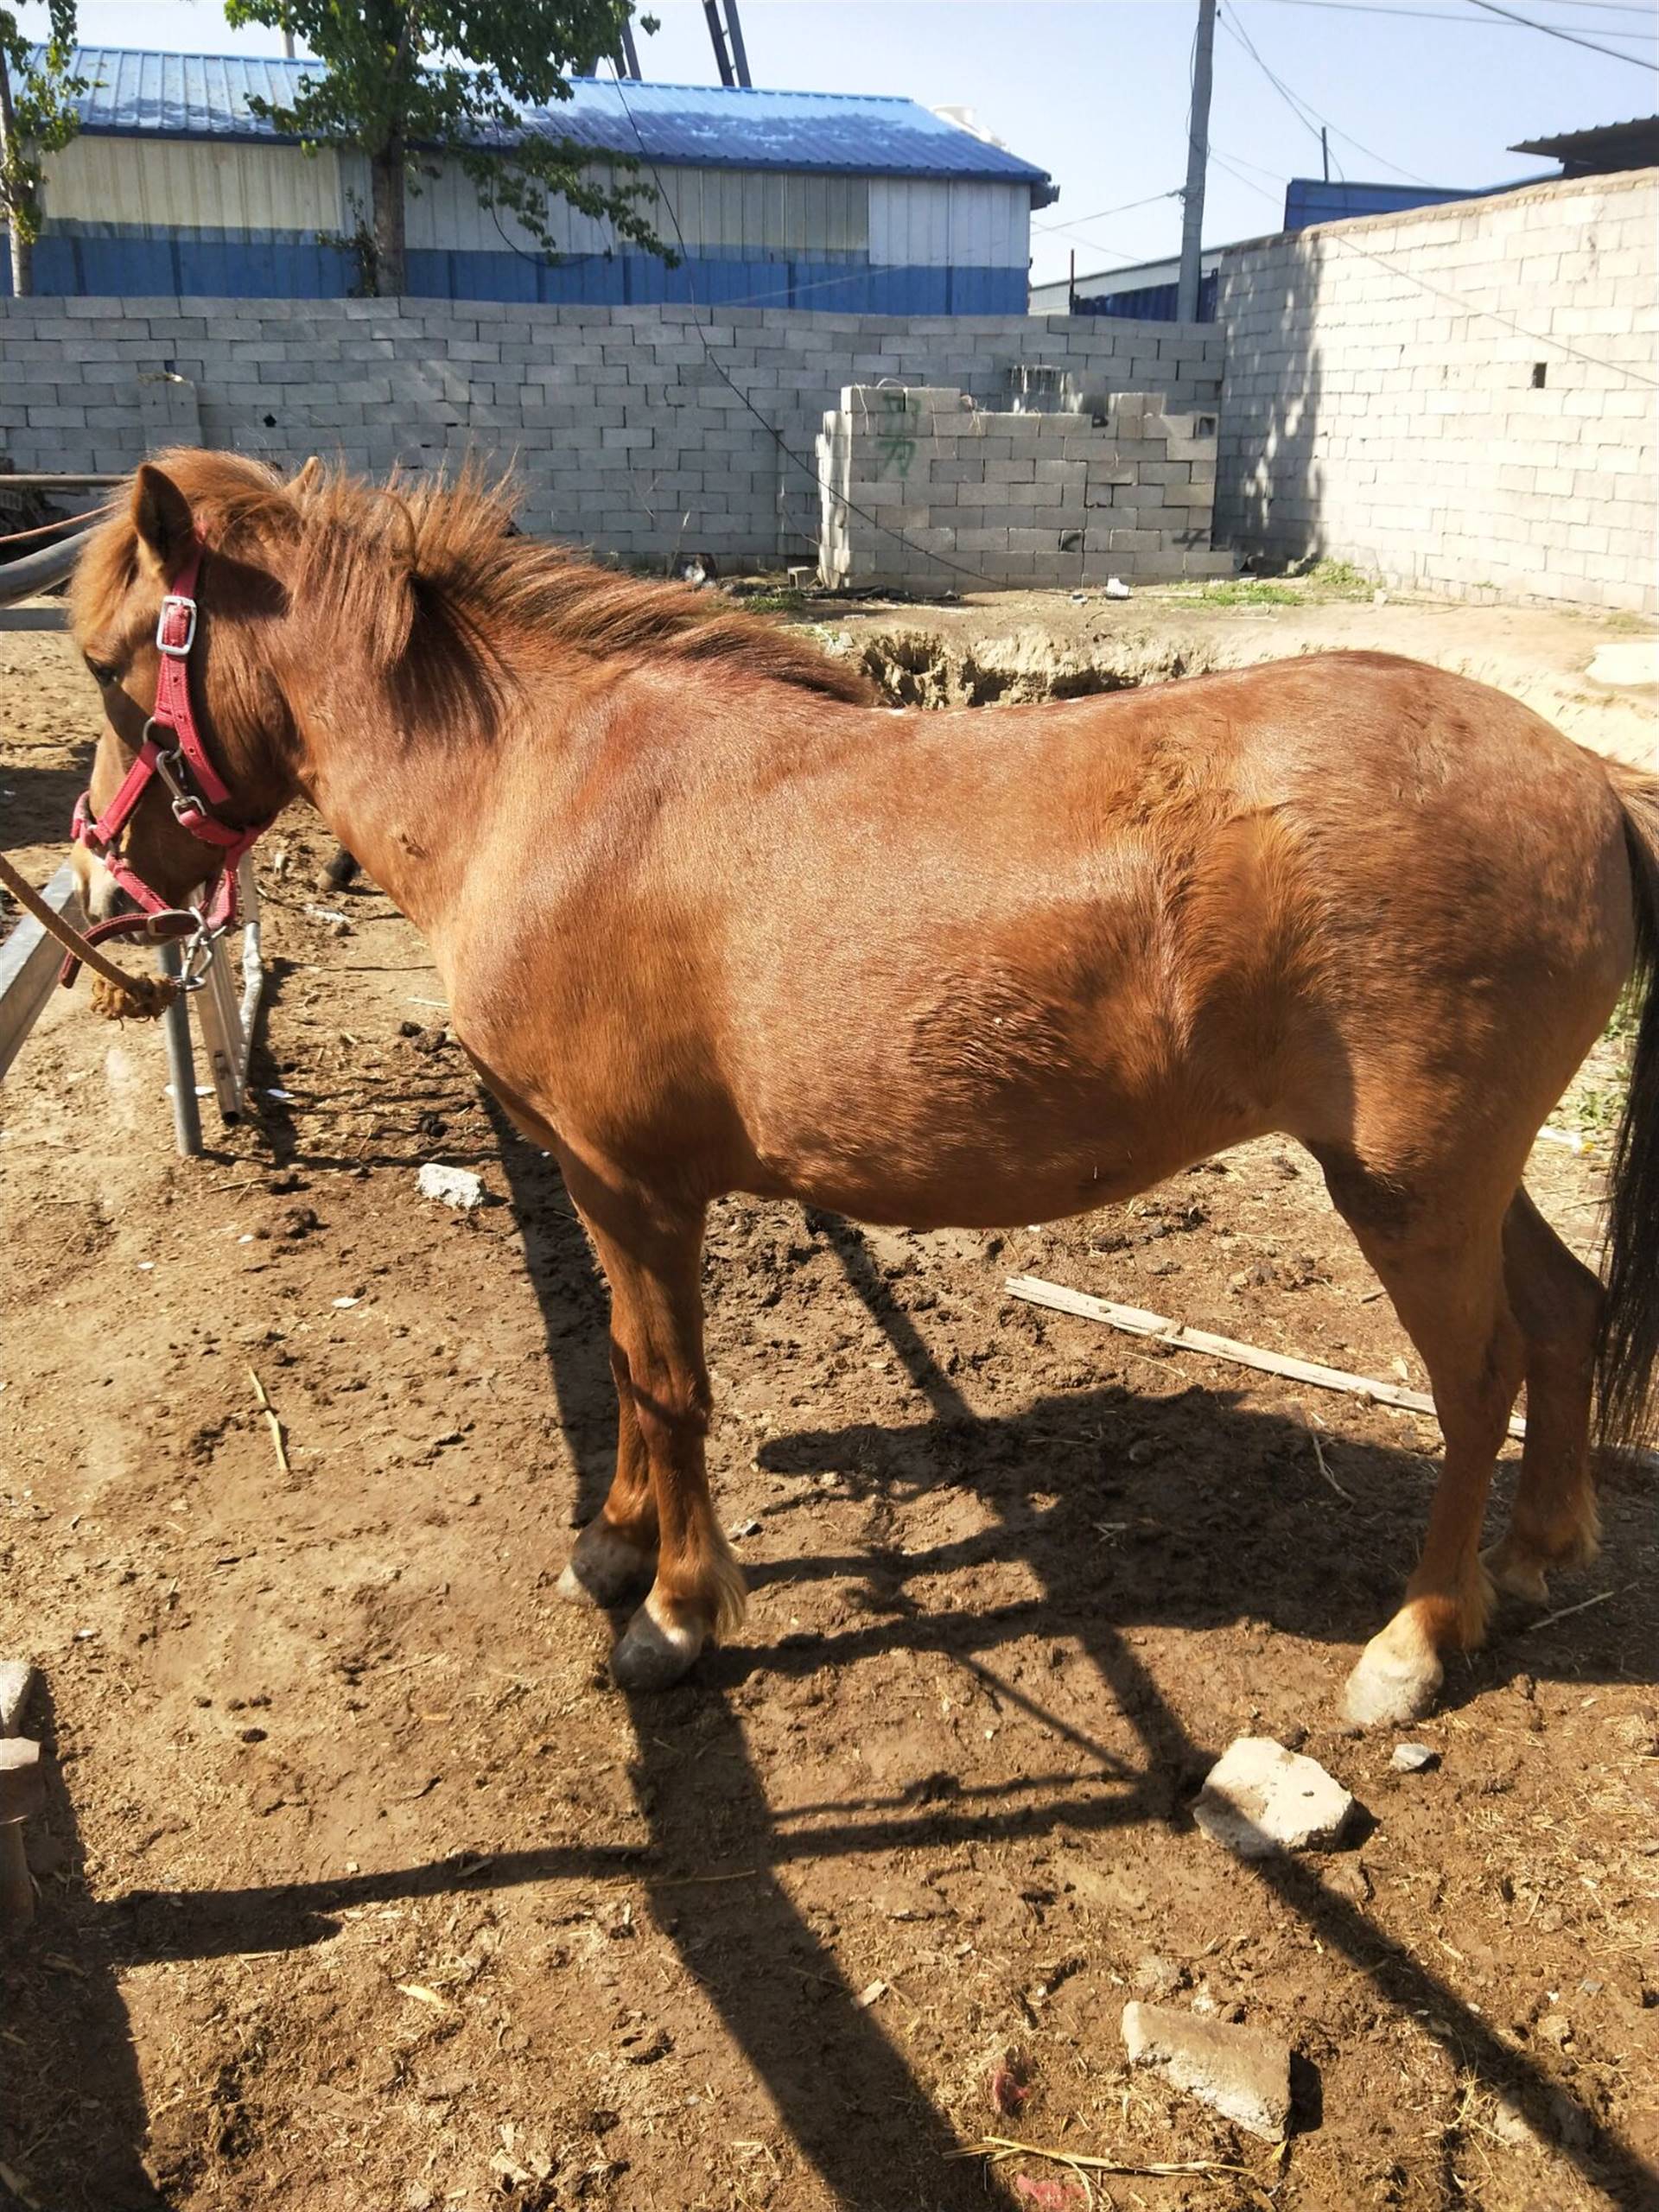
{"x":654,"y":1654}
{"x":603,"y":1567}
{"x":1517,"y":1573}
{"x":1388,"y":1688}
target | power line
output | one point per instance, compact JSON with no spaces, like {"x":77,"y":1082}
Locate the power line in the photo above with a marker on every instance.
{"x":1101,"y":214}
{"x":1395,"y":268}
{"x":772,"y":430}
{"x":1297,"y":105}
{"x":1554,"y":30}
{"x":1447,"y":15}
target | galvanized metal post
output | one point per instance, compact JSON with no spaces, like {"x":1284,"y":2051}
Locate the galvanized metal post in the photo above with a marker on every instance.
{"x":180,"y":1061}
{"x":1197,"y":162}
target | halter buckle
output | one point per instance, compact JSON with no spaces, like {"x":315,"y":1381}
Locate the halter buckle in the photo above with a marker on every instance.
{"x":176,"y":601}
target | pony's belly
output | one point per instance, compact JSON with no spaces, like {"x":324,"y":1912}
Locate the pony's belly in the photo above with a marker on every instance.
{"x":989,"y":1188}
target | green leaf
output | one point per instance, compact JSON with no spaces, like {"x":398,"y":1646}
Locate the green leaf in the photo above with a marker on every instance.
{"x":412,"y":82}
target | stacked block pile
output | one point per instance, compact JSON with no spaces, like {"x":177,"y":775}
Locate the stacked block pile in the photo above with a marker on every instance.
{"x":924,"y":491}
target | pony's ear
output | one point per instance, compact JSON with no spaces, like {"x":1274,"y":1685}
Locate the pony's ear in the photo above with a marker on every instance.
{"x":160,"y":515}
{"x":301,"y":483}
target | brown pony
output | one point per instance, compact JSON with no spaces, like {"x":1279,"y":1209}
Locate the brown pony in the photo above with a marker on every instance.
{"x":709,"y":920}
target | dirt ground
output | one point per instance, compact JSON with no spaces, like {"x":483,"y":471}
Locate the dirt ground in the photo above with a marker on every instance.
{"x":363,"y":1890}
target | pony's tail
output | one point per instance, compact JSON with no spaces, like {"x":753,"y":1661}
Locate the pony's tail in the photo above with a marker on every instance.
{"x":1627,"y":1347}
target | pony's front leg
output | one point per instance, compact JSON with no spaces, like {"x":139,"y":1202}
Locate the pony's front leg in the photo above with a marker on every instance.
{"x":617,"y":1551}
{"x":650,"y":1252}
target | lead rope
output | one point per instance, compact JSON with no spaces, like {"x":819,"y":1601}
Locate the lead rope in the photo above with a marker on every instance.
{"x":117,"y":995}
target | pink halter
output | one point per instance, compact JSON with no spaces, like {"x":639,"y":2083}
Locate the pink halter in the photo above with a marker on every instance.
{"x":191,"y":780}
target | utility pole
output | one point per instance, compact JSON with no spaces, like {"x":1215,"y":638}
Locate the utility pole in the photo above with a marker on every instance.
{"x":1197,"y":158}
{"x":1324,"y":151}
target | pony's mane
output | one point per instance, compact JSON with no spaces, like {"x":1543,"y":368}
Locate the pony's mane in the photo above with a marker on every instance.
{"x":430,"y":572}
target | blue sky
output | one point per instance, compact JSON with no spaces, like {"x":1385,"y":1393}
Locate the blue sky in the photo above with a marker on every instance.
{"x":1096,"y":91}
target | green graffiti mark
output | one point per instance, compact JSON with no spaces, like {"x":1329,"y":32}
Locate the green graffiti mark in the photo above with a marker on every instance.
{"x":895,"y":444}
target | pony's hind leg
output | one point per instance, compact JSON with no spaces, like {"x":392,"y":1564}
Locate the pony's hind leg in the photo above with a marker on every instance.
{"x":1439,"y":1254}
{"x":616,"y":1553}
{"x":650,"y":1252}
{"x":1557,"y":1302}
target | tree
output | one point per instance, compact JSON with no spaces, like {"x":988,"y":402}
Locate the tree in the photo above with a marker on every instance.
{"x":37,"y":116}
{"x":412,"y":82}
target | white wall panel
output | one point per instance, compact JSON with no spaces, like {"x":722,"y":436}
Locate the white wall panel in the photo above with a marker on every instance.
{"x":916,"y":223}
{"x":166,"y":183}
{"x":728,"y":210}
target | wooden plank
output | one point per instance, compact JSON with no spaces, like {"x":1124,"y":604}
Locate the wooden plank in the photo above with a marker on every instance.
{"x":1139,"y":1323}
{"x":30,"y":961}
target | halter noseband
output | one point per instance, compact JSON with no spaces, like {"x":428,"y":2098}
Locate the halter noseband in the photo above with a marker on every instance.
{"x":192,"y":782}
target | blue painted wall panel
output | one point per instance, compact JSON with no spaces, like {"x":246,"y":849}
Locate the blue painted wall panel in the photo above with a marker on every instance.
{"x":1150,"y":302}
{"x":279,"y":265}
{"x":1318,"y":200}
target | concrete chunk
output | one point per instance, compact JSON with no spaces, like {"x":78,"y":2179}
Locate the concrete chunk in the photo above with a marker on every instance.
{"x":1259,"y":1799}
{"x":1243,"y":2072}
{"x":23,"y":1782}
{"x":453,"y":1187}
{"x":16,"y":1682}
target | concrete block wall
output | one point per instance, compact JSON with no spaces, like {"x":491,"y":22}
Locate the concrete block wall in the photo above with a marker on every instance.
{"x":1463,"y":399}
{"x":924,"y":490}
{"x":638,"y":430}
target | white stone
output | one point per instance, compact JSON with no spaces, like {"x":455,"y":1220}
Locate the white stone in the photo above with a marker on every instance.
{"x":1633,"y":663}
{"x":16,"y":1681}
{"x":1243,"y":2072}
{"x":455,"y":1186}
{"x":1413,"y":1758}
{"x":1259,"y":1799}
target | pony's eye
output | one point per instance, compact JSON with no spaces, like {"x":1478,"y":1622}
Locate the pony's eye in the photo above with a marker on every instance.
{"x":99,"y":674}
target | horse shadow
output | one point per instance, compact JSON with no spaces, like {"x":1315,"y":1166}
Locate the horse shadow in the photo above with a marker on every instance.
{"x":843,"y":2088}
{"x":72,"y":2112}
{"x":881,"y":2119}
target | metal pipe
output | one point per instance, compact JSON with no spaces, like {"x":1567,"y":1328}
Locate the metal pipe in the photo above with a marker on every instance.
{"x":180,"y":1061}
{"x":221,"y":1037}
{"x":39,"y":571}
{"x":253,"y":969}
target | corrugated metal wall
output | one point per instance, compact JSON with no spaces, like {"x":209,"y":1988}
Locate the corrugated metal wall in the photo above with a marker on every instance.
{"x":153,"y":214}
{"x":193,"y":184}
{"x":915,"y":223}
{"x":750,"y":212}
{"x":175,"y":183}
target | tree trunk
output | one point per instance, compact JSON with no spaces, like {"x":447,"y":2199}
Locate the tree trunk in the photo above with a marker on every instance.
{"x":386,"y":172}
{"x":22,"y":252}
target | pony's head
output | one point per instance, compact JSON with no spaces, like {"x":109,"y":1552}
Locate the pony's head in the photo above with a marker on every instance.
{"x":340,"y":618}
{"x":242,"y":522}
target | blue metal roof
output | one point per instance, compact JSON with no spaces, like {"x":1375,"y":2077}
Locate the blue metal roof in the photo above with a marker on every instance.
{"x":205,"y":96}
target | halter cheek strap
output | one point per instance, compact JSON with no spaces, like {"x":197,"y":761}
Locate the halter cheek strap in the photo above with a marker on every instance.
{"x":193,"y":785}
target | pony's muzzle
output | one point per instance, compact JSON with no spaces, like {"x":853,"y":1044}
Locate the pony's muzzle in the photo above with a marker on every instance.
{"x":101,"y":897}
